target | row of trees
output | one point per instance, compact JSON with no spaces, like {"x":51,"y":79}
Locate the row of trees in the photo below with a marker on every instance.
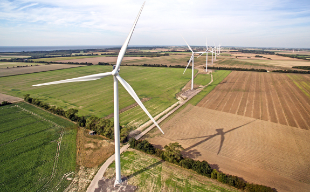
{"x":291,"y":71}
{"x":302,"y":67}
{"x":297,"y":56}
{"x":237,"y":69}
{"x":257,"y":51}
{"x":172,"y":153}
{"x":105,"y":127}
{"x":70,"y":113}
{"x":101,"y":126}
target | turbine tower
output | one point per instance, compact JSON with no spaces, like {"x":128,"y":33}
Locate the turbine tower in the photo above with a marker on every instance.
{"x":207,"y":50}
{"x":129,"y":89}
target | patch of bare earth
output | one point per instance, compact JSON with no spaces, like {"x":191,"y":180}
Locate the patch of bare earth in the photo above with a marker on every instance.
{"x":272,"y":97}
{"x":34,"y":69}
{"x":9,"y":98}
{"x":259,"y":151}
{"x":92,"y":151}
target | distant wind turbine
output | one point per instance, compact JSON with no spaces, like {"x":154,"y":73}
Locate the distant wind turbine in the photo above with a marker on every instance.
{"x":207,"y":50}
{"x":116,"y":78}
{"x":191,"y":59}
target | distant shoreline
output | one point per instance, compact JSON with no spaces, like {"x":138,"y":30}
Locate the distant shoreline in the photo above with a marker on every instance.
{"x":50,"y":48}
{"x":11,"y":49}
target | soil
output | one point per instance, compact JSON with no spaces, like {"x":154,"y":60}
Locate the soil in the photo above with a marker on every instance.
{"x":92,"y":150}
{"x":258,"y":151}
{"x":271,"y":97}
{"x":9,"y":98}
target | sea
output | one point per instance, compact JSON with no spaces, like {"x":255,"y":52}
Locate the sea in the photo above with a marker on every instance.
{"x":51,"y":48}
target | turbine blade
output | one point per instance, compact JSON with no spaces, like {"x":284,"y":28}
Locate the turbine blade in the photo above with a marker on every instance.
{"x":124,"y":47}
{"x":84,"y":78}
{"x":136,"y":98}
{"x":188,"y":64}
{"x":200,"y":55}
{"x":187,"y":45}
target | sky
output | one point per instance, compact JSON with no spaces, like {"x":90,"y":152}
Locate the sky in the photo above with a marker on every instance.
{"x":264,"y":23}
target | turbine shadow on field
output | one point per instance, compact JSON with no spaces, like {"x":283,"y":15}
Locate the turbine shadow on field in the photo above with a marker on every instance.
{"x":207,"y":137}
{"x":146,"y":169}
{"x":193,"y":153}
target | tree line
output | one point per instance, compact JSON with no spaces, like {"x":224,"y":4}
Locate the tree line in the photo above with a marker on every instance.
{"x":172,"y":153}
{"x":302,"y":67}
{"x":257,"y":51}
{"x":3,"y":103}
{"x":297,"y":56}
{"x":101,"y":126}
{"x":237,"y":69}
{"x":147,"y":65}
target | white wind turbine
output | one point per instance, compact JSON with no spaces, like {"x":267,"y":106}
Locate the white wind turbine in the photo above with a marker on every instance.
{"x":215,"y":50}
{"x":191,"y":59}
{"x":207,"y":50}
{"x":116,"y":77}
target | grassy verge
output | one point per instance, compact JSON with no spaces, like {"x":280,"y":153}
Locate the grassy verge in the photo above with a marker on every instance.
{"x":202,"y":79}
{"x":29,"y":149}
{"x":149,"y":173}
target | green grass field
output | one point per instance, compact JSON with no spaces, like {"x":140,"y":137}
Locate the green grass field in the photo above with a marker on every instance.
{"x":238,"y":62}
{"x":202,"y":79}
{"x":149,"y":173}
{"x":96,"y":97}
{"x":218,"y":77}
{"x":29,"y":142}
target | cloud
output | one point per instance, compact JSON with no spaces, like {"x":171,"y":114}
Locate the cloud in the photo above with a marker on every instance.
{"x":237,"y":22}
{"x":27,"y":6}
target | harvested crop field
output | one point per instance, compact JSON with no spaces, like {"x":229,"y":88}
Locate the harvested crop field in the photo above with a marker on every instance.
{"x":259,"y":151}
{"x":34,"y":69}
{"x":274,"y":97}
{"x":96,"y":60}
{"x":260,"y":61}
{"x":5,"y":65}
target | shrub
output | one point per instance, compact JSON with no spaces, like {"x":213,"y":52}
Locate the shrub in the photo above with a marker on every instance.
{"x":214,"y":174}
{"x":187,"y":163}
{"x":5,"y":103}
{"x":257,"y":188}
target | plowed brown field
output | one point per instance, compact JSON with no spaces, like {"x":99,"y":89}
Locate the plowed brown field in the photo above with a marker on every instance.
{"x":259,"y":151}
{"x":274,"y":97}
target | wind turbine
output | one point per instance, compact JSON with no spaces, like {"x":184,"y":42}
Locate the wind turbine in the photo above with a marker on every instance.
{"x":116,"y":78}
{"x":191,"y":59}
{"x":215,"y":49}
{"x":206,"y":55}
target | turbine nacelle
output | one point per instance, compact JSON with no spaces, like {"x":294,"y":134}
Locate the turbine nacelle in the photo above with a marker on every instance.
{"x":115,"y":71}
